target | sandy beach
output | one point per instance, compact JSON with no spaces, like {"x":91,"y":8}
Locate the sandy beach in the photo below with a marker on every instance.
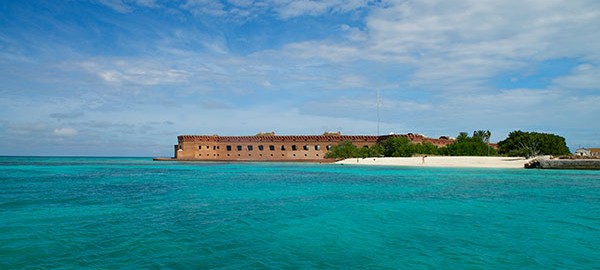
{"x":445,"y":161}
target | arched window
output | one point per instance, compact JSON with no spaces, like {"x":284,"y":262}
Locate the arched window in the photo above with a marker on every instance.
{"x":272,"y":147}
{"x":260,"y":148}
{"x":329,"y":147}
{"x":250,"y":147}
{"x":305,"y":147}
{"x":317,"y":147}
{"x":294,"y":147}
{"x":239,"y":148}
{"x":229,"y":148}
{"x":283,"y":148}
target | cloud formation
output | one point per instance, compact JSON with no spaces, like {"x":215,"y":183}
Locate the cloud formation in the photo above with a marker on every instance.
{"x":128,"y":71}
{"x":124,"y":77}
{"x":65,"y":132}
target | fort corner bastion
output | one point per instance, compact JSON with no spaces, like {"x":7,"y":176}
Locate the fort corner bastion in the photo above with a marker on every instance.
{"x":271,"y":147}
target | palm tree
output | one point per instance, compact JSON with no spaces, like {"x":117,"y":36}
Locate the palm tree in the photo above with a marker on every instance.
{"x":485,"y":136}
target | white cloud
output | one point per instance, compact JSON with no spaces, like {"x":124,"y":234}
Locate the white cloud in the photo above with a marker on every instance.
{"x":461,"y":44}
{"x":267,"y":84}
{"x":134,"y":71}
{"x":354,"y":33}
{"x":126,"y":6}
{"x":116,"y":5}
{"x":65,"y":132}
{"x":146,"y":3}
{"x":584,"y":77}
{"x":434,"y":60}
{"x":284,"y":9}
{"x":322,"y":50}
{"x":241,"y":3}
{"x":351,"y":81}
{"x":297,"y":8}
{"x":204,"y":7}
{"x":458,"y":47}
{"x":26,"y":128}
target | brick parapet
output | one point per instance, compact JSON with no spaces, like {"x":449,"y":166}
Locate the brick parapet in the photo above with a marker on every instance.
{"x":288,"y":138}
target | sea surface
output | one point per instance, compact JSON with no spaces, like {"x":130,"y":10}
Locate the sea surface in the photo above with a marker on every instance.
{"x":132,"y":213}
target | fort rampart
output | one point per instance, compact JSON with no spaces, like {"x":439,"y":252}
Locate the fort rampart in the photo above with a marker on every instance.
{"x":276,"y":148}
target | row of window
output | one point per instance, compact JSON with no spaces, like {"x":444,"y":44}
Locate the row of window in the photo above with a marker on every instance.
{"x":262,"y":147}
{"x":239,"y":155}
{"x":215,"y":147}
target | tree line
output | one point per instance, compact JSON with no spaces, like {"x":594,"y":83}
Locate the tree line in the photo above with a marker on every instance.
{"x":518,"y":143}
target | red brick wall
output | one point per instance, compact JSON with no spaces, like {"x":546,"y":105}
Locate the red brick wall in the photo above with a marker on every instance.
{"x":269,"y":148}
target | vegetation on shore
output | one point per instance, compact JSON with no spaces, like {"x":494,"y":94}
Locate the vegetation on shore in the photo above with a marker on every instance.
{"x":518,"y":143}
{"x":530,"y":144}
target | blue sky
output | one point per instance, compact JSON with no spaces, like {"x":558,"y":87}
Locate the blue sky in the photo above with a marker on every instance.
{"x":125,"y":77}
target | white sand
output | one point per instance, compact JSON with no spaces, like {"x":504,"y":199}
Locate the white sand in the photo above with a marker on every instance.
{"x":454,"y":162}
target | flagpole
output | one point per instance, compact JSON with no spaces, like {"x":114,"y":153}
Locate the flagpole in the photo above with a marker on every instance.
{"x":378,"y":117}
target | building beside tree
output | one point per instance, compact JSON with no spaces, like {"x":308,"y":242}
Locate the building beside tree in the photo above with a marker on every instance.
{"x":271,"y":147}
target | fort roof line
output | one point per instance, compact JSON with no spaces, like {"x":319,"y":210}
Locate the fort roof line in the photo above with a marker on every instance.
{"x":314,"y":138}
{"x":276,"y":138}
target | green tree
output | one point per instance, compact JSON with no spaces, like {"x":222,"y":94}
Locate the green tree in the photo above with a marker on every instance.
{"x":397,"y":147}
{"x":468,"y":146}
{"x":530,"y":144}
{"x":425,"y":148}
{"x":392,"y":147}
{"x":484,"y":135}
{"x":342,"y":150}
{"x":403,"y":147}
{"x":374,"y":151}
{"x":346,"y":149}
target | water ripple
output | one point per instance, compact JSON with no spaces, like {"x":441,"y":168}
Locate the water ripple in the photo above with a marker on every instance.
{"x":116,"y":213}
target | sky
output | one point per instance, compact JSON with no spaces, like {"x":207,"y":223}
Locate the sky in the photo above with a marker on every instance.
{"x":125,"y":77}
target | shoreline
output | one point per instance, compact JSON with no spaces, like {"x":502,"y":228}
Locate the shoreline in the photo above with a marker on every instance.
{"x":442,"y":161}
{"x":320,"y":161}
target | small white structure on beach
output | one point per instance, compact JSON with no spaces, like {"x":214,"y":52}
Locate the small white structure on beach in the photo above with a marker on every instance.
{"x":587,"y":152}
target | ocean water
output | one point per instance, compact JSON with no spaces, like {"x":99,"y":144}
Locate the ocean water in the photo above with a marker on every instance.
{"x":132,"y":213}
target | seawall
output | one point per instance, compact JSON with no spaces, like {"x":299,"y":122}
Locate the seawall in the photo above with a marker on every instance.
{"x":565,"y":164}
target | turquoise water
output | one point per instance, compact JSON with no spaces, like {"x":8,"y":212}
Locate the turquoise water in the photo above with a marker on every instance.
{"x":65,"y":213}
